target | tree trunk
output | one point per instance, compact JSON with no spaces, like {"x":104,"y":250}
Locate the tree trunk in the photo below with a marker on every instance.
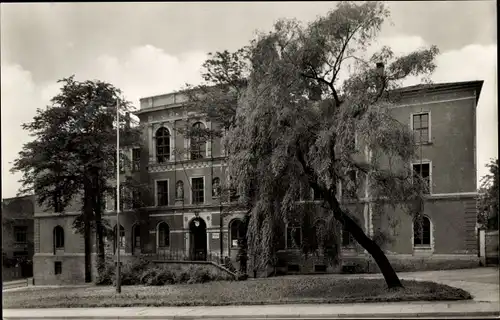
{"x":390,"y":276}
{"x":87,"y":234}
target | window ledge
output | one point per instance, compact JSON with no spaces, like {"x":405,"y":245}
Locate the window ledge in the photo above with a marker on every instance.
{"x":423,"y":250}
{"x":425,"y":143}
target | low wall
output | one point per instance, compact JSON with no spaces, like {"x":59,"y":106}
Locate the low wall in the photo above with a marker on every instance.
{"x":408,"y":263}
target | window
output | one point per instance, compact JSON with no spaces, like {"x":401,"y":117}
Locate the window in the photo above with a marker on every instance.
{"x":293,"y":237}
{"x":136,"y":198}
{"x":21,"y":234}
{"x":58,"y":237}
{"x":423,"y":170}
{"x":198,"y":190}
{"x":349,"y":187}
{"x":136,"y":159}
{"x":122,"y":197}
{"x":121,"y":237}
{"x":198,"y":145}
{"x":317,"y":196}
{"x":347,"y":239}
{"x":320,"y":232}
{"x":237,"y":232}
{"x":163,"y":235}
{"x":162,"y":192}
{"x":57,"y":267}
{"x":421,"y":127}
{"x":136,"y":236}
{"x":422,"y":232}
{"x":162,"y":145}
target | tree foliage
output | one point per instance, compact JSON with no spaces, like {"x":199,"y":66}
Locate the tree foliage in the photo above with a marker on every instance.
{"x":72,"y":157}
{"x":296,"y":122}
{"x":488,"y":201}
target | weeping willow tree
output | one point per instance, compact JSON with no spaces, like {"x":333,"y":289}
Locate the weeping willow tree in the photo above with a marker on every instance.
{"x":290,"y":124}
{"x":297,"y":124}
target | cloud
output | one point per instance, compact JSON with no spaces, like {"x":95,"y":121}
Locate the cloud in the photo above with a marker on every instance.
{"x":148,"y":70}
{"x":20,"y":97}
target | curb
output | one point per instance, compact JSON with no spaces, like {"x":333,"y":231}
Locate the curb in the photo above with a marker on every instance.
{"x":478,"y":315}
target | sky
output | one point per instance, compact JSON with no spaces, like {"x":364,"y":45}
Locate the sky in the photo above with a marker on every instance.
{"x":153,"y":48}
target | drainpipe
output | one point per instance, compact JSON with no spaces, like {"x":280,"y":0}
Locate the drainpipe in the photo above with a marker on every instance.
{"x":220,"y":231}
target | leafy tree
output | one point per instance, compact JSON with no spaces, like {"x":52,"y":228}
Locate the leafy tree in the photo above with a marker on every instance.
{"x":295,"y":122}
{"x":488,"y":201}
{"x":73,"y":154}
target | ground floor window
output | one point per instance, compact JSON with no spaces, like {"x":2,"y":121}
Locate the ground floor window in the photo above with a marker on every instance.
{"x":422,"y":232}
{"x":57,"y":267}
{"x":293,"y":236}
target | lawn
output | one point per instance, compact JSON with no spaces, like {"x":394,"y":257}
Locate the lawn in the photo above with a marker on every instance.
{"x":251,"y":292}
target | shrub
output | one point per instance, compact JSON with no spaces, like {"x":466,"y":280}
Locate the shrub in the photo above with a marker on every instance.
{"x":107,"y":276}
{"x":143,"y":272}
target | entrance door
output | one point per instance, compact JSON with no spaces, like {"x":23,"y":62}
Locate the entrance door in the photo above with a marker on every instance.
{"x":198,"y":237}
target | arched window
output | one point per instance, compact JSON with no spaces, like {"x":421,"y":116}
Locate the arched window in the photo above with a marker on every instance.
{"x":198,"y":144}
{"x":136,"y":236}
{"x":163,"y":235}
{"x":237,"y":232}
{"x":121,"y":237}
{"x":422,"y":232}
{"x":319,"y":233}
{"x":293,"y":236}
{"x":347,"y":239}
{"x":58,"y":238}
{"x":162,"y":145}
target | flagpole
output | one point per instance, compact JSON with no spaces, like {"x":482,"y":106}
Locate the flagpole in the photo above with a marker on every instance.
{"x":118,"y":229}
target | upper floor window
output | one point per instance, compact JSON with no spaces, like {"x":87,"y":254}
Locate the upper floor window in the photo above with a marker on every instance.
{"x":162,"y":192}
{"x":421,"y":127}
{"x":293,"y":236}
{"x":21,"y":234}
{"x":198,"y":144}
{"x":123,"y":162}
{"x":422,"y":232}
{"x":424,"y":171}
{"x":162,"y":145}
{"x":136,"y":159}
{"x":58,"y":237}
{"x":198,"y":190}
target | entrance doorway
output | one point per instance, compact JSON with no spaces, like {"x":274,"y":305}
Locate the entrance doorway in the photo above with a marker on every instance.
{"x":198,"y":239}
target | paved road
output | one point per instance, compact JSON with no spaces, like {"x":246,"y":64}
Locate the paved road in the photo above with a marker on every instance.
{"x":482,"y":283}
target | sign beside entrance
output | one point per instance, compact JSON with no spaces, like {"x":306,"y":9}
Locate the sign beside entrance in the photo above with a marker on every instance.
{"x":215,"y":236}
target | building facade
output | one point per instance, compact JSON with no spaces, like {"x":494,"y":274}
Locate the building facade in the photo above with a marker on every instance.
{"x":17,"y":237}
{"x":184,"y":216}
